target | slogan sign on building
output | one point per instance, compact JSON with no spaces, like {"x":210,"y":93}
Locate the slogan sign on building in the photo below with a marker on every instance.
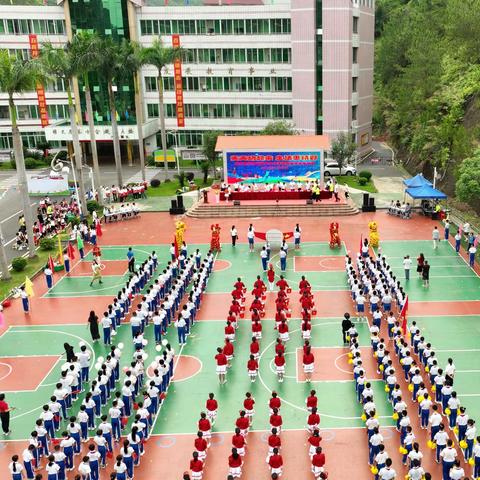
{"x":177,"y":76}
{"x":42,"y":102}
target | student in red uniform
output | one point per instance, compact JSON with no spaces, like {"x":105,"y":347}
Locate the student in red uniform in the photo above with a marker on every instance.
{"x":304,"y":285}
{"x":205,"y":427}
{"x":259,"y":283}
{"x":306,"y":301}
{"x":255,"y":316}
{"x":282,"y":283}
{"x":274,"y":441}
{"x":239,"y":442}
{"x":308,"y":364}
{"x":274,"y":402}
{"x":212,"y":408}
{"x":232,"y":318}
{"x":283,"y":331}
{"x":229,"y":332}
{"x":271,"y":277}
{"x":312,"y":400}
{"x":228,"y":351}
{"x":235,"y":464}
{"x":252,"y":368}
{"x":306,"y":316}
{"x":276,"y":420}
{"x":279,"y":316}
{"x":275,"y":463}
{"x":306,"y":330}
{"x":318,"y":462}
{"x":196,"y":467}
{"x":257,"y":292}
{"x":243,"y":423}
{"x":279,"y":347}
{"x":201,"y":446}
{"x":313,"y":421}
{"x":239,"y":285}
{"x":235,"y":308}
{"x":248,"y":405}
{"x":222,"y":362}
{"x":257,"y":329}
{"x":256,"y":305}
{"x":280,"y":366}
{"x":314,"y":442}
{"x":255,"y":348}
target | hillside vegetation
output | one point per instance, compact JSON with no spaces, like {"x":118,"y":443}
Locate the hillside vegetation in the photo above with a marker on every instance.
{"x":427,"y":81}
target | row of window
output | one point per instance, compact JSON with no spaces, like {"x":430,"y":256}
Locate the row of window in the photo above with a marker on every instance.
{"x":225,"y":84}
{"x":30,"y":112}
{"x":238,"y":55}
{"x":29,"y":139}
{"x":26,"y":26}
{"x":253,"y":26}
{"x":193,"y":110}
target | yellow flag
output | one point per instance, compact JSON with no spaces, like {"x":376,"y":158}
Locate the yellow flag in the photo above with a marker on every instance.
{"x":60,"y":251}
{"x":29,"y":287}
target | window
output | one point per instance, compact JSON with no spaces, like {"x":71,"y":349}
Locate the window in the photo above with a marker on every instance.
{"x":239,"y":27}
{"x":4,"y":112}
{"x":354,"y":112}
{"x":151,"y":84}
{"x":354,"y":84}
{"x":355,"y":55}
{"x":27,"y":112}
{"x":152,"y":110}
{"x":58,"y":112}
{"x":2,"y":26}
{"x":355,"y":24}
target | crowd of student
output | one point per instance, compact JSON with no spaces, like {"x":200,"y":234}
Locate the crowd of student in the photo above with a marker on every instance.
{"x":125,"y":211}
{"x":170,"y":286}
{"x":417,"y":362}
{"x":122,"y":194}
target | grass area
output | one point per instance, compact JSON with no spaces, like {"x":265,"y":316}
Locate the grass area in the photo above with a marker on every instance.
{"x":352,"y":181}
{"x":6,"y":166}
{"x":33,"y":265}
{"x":169,"y":189}
{"x":65,"y":193}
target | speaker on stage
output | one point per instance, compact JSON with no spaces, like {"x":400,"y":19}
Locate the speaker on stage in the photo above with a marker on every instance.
{"x":180,"y":202}
{"x":173,"y":205}
{"x":365,"y":199}
{"x":371,"y":202}
{"x":236,"y":203}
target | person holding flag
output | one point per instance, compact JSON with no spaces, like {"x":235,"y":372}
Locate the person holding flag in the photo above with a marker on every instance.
{"x":48,"y":271}
{"x":80,"y":245}
{"x":403,"y":315}
{"x":26,"y":291}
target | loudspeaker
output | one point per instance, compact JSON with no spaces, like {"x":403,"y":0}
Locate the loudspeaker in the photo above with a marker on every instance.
{"x":236,"y":203}
{"x":365,"y":199}
{"x":371,"y":202}
{"x":180,"y":201}
{"x":175,"y":209}
{"x":309,"y":201}
{"x":174,"y":205}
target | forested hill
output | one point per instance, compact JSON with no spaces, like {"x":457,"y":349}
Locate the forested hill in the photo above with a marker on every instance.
{"x":427,"y":81}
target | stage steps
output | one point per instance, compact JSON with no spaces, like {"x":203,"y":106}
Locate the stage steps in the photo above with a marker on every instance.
{"x":202,"y":210}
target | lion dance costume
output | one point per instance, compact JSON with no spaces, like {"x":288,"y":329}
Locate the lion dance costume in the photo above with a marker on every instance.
{"x":373,"y":237}
{"x":334,"y":235}
{"x":215,"y":241}
{"x":180,"y":228}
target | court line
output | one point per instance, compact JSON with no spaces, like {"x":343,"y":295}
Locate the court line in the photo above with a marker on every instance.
{"x":10,"y":369}
{"x":465,"y":261}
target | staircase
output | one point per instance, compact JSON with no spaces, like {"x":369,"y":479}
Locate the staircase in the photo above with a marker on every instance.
{"x":202,"y":210}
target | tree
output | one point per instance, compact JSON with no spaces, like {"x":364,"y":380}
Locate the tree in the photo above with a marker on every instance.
{"x":58,"y":62}
{"x":343,"y":149}
{"x":279,"y":127}
{"x":109,"y":68}
{"x":208,"y":148}
{"x":467,"y":187}
{"x":16,"y":77}
{"x":160,"y":56}
{"x":85,"y":48}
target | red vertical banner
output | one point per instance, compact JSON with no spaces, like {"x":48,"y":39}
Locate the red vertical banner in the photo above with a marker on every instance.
{"x":42,"y":102}
{"x":177,"y":75}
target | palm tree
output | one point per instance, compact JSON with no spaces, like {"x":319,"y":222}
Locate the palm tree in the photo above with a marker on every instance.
{"x":160,"y":56}
{"x":58,"y":61}
{"x":85,"y":53}
{"x":110,"y":67}
{"x":130,"y":53}
{"x":16,"y":77}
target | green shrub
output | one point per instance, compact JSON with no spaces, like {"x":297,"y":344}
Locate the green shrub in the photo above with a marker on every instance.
{"x":62,"y":155}
{"x":30,"y":163}
{"x":19,"y":264}
{"x":47,"y":243}
{"x":362,"y":180}
{"x":167,"y":180}
{"x":155,"y":182}
{"x":190,"y":176}
{"x":74,"y":221}
{"x":365,"y":174}
{"x":92,"y":205}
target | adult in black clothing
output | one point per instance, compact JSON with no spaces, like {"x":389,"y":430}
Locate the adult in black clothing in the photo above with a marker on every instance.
{"x":4,"y":414}
{"x":69,"y":352}
{"x":93,"y":321}
{"x":346,"y":326}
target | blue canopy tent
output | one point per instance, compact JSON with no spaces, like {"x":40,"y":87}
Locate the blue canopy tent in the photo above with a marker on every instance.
{"x":417,"y":181}
{"x":425,"y":192}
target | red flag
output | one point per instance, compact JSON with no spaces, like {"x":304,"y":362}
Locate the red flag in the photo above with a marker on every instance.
{"x":176,"y":246}
{"x":98,"y":229}
{"x":361,"y":242}
{"x":70,"y":251}
{"x":403,"y":315}
{"x":51,"y":265}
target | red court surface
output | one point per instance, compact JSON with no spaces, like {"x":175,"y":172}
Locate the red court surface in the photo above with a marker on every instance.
{"x":320,"y":263}
{"x":331,"y":364}
{"x":221,"y":265}
{"x":112,"y":267}
{"x":13,"y":372}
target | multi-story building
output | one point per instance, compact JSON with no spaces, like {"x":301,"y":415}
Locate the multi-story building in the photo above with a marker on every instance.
{"x":248,"y":62}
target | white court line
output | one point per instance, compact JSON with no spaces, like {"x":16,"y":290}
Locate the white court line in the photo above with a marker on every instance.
{"x":465,"y":261}
{"x":467,"y":371}
{"x":469,"y":394}
{"x":459,"y":350}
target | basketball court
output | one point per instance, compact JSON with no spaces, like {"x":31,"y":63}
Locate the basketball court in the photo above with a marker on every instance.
{"x":448,"y":312}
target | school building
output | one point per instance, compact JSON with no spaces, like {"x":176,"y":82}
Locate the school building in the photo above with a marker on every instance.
{"x":249,"y":62}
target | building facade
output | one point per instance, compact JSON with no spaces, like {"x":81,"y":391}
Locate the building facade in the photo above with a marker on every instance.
{"x":249,"y":62}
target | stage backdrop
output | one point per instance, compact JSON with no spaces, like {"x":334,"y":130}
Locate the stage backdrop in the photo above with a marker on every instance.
{"x":271,"y":166}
